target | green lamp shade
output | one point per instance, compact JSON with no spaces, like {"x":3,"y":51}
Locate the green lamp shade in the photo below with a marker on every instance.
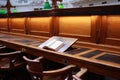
{"x":60,"y":6}
{"x":2,"y":11}
{"x":47,"y":5}
{"x":14,"y":10}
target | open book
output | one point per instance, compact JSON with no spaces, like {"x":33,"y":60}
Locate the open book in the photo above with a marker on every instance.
{"x":58,"y":43}
{"x":54,"y":45}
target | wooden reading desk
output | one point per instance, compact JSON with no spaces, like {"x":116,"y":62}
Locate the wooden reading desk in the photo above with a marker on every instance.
{"x":97,"y":60}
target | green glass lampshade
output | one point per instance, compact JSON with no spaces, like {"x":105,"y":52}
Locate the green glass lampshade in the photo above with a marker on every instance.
{"x":47,"y":5}
{"x":14,"y":10}
{"x":2,"y":11}
{"x":60,"y":6}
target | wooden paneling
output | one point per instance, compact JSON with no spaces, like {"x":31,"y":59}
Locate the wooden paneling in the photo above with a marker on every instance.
{"x":111,"y":29}
{"x":76,"y":26}
{"x":17,"y":25}
{"x":100,"y":29}
{"x":3,"y":24}
{"x":39,"y":26}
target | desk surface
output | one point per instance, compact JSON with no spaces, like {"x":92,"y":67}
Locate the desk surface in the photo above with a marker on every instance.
{"x":96,"y":60}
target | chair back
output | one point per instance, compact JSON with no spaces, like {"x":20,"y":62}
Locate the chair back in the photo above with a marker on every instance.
{"x":36,"y":70}
{"x":34,"y":67}
{"x":8,"y":60}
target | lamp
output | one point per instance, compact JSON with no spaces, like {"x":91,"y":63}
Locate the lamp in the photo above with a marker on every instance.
{"x":14,"y":10}
{"x":60,"y":5}
{"x":2,"y":11}
{"x":47,"y":5}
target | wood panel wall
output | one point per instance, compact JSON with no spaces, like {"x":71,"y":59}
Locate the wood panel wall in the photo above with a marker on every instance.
{"x":100,"y":29}
{"x":81,"y":27}
{"x":41,"y":26}
{"x":110,"y":30}
{"x":4,"y":24}
{"x":17,"y":25}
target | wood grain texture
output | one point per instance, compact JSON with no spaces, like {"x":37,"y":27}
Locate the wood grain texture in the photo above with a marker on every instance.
{"x":3,"y":24}
{"x":75,"y":26}
{"x":112,"y":32}
{"x":100,"y":29}
{"x":17,"y":25}
{"x":39,"y":26}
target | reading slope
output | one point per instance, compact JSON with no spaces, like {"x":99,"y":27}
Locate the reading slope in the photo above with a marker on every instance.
{"x":54,"y":45}
{"x":58,"y":43}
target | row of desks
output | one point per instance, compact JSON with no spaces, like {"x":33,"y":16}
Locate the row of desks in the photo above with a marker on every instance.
{"x":96,"y":60}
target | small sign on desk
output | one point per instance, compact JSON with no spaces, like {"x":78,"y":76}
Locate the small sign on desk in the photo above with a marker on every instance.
{"x":59,"y":44}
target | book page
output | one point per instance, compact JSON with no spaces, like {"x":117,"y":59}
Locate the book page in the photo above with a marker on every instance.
{"x":56,"y":45}
{"x":50,"y":43}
